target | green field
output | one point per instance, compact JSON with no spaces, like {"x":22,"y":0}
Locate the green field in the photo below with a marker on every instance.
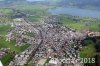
{"x":5,"y":20}
{"x":6,"y":59}
{"x":80,"y":23}
{"x":88,"y":51}
{"x":4,"y":29}
{"x":36,"y":9}
{"x":11,"y":45}
{"x":5,"y":15}
{"x":34,"y":18}
{"x":6,"y":11}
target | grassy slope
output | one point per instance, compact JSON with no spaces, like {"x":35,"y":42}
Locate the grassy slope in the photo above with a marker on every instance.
{"x":4,"y":29}
{"x":11,"y":45}
{"x":81,"y":23}
{"x":6,"y":11}
{"x":34,"y":18}
{"x":88,"y":51}
{"x":37,"y":9}
{"x":5,"y":60}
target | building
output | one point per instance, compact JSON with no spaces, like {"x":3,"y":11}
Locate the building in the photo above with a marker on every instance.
{"x":1,"y":64}
{"x":54,"y":62}
{"x":41,"y":62}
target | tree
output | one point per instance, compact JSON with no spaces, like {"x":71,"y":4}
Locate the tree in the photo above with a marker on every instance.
{"x":97,"y":46}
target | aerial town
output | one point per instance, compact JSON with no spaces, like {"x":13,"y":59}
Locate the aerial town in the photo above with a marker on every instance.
{"x":48,"y":40}
{"x":32,"y":37}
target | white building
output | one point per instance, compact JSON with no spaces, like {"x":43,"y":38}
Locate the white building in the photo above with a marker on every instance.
{"x":1,"y":64}
{"x":41,"y":62}
{"x":54,"y":62}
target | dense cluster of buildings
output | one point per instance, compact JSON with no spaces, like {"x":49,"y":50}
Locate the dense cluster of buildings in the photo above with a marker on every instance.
{"x":48,"y":41}
{"x":59,"y":42}
{"x":3,"y":52}
{"x":21,"y":33}
{"x":51,"y":41}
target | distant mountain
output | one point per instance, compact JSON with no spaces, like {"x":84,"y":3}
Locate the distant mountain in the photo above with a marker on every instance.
{"x":65,"y":2}
{"x":34,"y":0}
{"x":7,"y":3}
{"x":76,"y":3}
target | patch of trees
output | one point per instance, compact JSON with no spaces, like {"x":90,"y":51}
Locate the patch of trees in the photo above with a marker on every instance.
{"x":96,"y":42}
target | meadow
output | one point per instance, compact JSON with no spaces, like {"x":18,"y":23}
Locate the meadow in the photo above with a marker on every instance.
{"x":79,"y":23}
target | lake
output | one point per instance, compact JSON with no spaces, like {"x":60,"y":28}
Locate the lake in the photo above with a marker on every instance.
{"x":75,"y":12}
